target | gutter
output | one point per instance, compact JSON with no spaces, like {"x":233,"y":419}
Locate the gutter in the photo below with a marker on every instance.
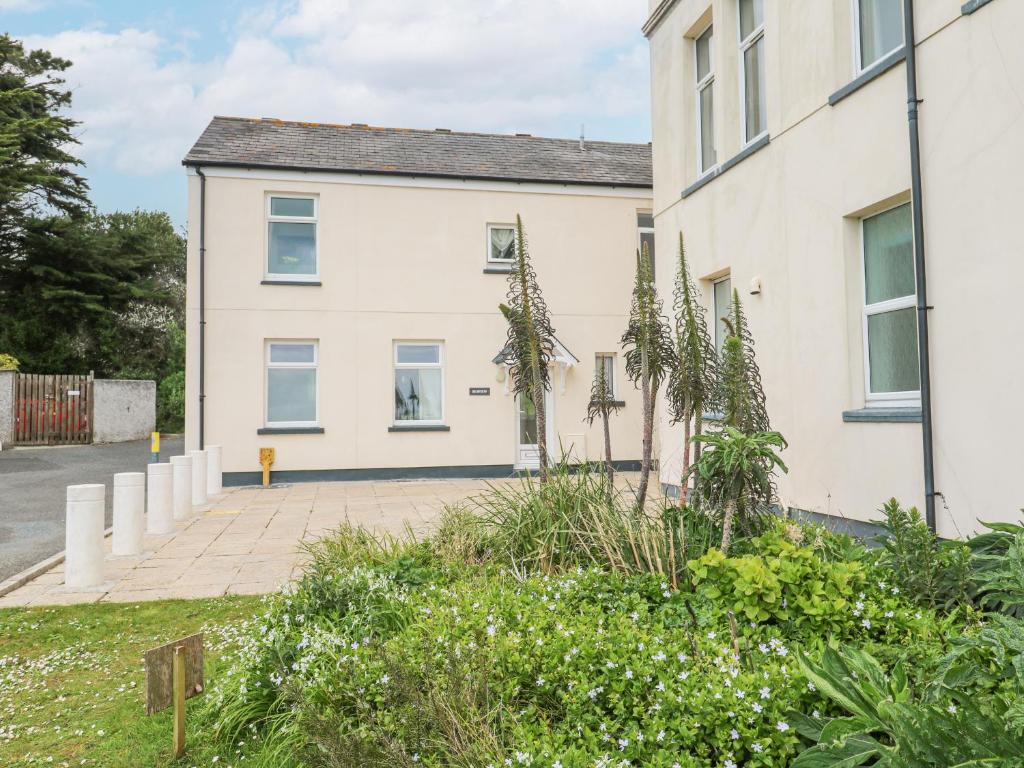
{"x":202,"y":306}
{"x":917,"y":205}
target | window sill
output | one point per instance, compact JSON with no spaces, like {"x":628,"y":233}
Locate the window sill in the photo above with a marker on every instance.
{"x":884,"y":415}
{"x":290,"y":431}
{"x":972,"y":5}
{"x":291,"y":282}
{"x":615,"y":403}
{"x":735,"y":160}
{"x":878,"y":69}
{"x":497,"y":270}
{"x":420,"y":428}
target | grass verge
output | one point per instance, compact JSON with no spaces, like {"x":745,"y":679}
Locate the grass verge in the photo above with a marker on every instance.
{"x":72,"y":679}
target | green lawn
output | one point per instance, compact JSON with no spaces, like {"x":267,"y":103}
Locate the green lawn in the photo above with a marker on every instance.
{"x":72,"y":680}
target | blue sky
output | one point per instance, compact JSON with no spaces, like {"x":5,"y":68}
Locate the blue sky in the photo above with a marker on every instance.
{"x":148,"y":76}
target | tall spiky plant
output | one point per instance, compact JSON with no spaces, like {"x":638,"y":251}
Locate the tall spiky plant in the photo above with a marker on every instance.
{"x":649,"y":355}
{"x":530,"y":344}
{"x":694,"y":377}
{"x":602,"y":404}
{"x":740,"y":393}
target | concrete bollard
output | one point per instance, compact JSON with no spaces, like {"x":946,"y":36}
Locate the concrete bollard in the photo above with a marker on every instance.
{"x":159,"y":500}
{"x":83,"y":547}
{"x":182,"y":484}
{"x":198,"y":478}
{"x":129,"y":507}
{"x":214,"y":474}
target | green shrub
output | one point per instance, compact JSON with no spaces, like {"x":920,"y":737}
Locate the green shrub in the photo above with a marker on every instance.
{"x":997,"y":563}
{"x":8,"y":362}
{"x":170,"y":399}
{"x":791,"y":585}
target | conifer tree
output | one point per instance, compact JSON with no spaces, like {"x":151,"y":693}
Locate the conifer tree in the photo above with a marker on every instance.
{"x":602,"y":404}
{"x":693,"y":380}
{"x":530,"y":344}
{"x":649,"y":355}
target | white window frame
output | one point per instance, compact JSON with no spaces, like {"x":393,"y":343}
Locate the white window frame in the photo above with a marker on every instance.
{"x":599,"y":358}
{"x":749,"y":42}
{"x":708,"y":81}
{"x":396,"y":366}
{"x":882,"y":399}
{"x":267,"y":366}
{"x":858,"y":55}
{"x":717,"y":281}
{"x":515,"y":242}
{"x":314,"y":220}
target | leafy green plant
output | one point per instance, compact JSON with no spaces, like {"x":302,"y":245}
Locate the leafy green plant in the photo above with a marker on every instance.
{"x":649,"y":355}
{"x":791,"y":585}
{"x":530,"y":342}
{"x":692,"y":381}
{"x":602,"y":405}
{"x":735,"y":474}
{"x":997,"y":563}
{"x":931,"y":571}
{"x":888,"y":725}
{"x":8,"y":362}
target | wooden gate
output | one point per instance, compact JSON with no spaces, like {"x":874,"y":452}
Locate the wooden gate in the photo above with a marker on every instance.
{"x":51,"y":409}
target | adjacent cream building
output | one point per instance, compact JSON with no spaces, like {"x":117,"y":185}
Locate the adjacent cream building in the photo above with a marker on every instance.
{"x":343,"y":291}
{"x":781,"y":150}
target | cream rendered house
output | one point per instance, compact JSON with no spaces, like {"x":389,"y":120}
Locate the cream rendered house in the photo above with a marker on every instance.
{"x":782,"y":150}
{"x":343,"y":291}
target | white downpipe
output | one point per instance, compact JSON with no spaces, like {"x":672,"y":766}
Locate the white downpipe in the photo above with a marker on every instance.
{"x":83,"y":544}
{"x":129,"y":508}
{"x":159,"y":500}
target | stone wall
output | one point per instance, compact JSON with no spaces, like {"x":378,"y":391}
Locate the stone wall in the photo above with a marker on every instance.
{"x":123,"y":410}
{"x":6,"y":408}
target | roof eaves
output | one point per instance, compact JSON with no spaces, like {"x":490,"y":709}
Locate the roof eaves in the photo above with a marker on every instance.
{"x":657,"y":16}
{"x":198,"y":163}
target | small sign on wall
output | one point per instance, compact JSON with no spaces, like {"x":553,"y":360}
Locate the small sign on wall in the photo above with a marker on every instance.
{"x":480,"y":391}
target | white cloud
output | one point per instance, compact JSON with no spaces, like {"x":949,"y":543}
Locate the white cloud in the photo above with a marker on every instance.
{"x":22,"y":5}
{"x":501,"y":65}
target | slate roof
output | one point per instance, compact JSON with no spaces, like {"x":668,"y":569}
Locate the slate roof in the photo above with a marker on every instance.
{"x":279,"y":144}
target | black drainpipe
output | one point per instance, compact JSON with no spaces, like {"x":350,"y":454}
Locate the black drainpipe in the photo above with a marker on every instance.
{"x":919,"y":265}
{"x":202,"y":306}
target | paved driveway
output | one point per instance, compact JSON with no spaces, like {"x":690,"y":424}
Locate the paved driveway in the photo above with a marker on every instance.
{"x":33,"y":484}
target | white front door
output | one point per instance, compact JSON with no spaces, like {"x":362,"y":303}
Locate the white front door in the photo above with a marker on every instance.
{"x":527,"y":450}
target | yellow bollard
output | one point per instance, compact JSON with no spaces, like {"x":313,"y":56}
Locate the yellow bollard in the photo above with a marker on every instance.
{"x":154,"y":446}
{"x":266,"y":459}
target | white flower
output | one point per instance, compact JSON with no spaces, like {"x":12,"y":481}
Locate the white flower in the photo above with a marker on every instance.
{"x":540,"y":682}
{"x":782,"y":726}
{"x":491,"y":630}
{"x":766,"y":692}
{"x":951,"y":709}
{"x":756,"y":746}
{"x":866,"y":623}
{"x":757,"y":707}
{"x":629,"y":674}
{"x":734,"y":734}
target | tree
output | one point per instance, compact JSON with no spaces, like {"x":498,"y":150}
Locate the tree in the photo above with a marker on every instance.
{"x":736,"y":474}
{"x":740,"y":393}
{"x":692,"y":382}
{"x":602,"y":404}
{"x":36,"y":171}
{"x":530,"y":344}
{"x":649,"y":355}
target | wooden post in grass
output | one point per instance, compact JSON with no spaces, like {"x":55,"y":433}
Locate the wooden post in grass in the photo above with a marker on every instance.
{"x":178,"y":683}
{"x":174,"y":673}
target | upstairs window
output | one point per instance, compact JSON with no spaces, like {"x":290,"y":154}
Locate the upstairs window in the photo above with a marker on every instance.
{"x":292,"y":238}
{"x":879,"y":30}
{"x":419,"y":383}
{"x":890,"y":314}
{"x":291,"y":384}
{"x":645,"y":236}
{"x":501,"y":244}
{"x":755,"y":121}
{"x":705,"y":102}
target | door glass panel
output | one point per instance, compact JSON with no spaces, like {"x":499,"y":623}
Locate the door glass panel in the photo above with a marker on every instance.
{"x":527,"y":421}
